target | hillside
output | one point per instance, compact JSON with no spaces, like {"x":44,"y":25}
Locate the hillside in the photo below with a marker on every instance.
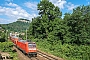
{"x":17,"y":26}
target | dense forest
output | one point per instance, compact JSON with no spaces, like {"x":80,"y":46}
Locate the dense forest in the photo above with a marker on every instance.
{"x":17,"y":26}
{"x":67,"y":37}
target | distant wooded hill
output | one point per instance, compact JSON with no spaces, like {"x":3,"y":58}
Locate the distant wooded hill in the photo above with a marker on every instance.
{"x":18,"y":26}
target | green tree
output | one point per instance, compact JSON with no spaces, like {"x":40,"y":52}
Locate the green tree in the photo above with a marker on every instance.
{"x":49,"y":13}
{"x":78,"y":22}
{"x":43,"y":25}
{"x":47,"y":8}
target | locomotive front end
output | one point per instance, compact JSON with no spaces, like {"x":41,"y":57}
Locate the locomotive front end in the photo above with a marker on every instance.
{"x":32,"y":49}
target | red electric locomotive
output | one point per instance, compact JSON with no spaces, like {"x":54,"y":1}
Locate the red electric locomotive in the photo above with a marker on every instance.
{"x":25,"y":46}
{"x":28,"y":48}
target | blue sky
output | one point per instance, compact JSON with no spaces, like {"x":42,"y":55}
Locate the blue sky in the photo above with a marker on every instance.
{"x":11,"y":10}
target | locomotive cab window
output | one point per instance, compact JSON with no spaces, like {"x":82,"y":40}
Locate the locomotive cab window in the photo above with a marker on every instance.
{"x":31,"y":45}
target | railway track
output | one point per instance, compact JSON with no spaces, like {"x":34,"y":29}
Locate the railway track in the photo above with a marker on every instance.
{"x":40,"y":56}
{"x":47,"y":56}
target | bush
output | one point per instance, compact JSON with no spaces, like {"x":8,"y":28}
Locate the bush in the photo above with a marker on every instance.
{"x":65,"y":51}
{"x":7,"y":47}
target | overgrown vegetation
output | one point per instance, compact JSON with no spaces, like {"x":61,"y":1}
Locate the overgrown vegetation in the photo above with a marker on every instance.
{"x":65,"y":51}
{"x":68,"y":38}
{"x":7,"y":47}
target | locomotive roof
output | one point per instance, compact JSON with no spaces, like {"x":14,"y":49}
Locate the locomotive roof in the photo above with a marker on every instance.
{"x":22,"y":40}
{"x":29,"y":42}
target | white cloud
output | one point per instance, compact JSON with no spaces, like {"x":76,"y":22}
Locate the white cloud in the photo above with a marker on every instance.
{"x":31,"y":5}
{"x":15,"y":13}
{"x":62,"y":4}
{"x":71,"y":6}
{"x":11,"y":4}
{"x":59,"y":3}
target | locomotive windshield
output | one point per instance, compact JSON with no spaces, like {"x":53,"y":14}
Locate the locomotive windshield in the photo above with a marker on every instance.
{"x":31,"y":45}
